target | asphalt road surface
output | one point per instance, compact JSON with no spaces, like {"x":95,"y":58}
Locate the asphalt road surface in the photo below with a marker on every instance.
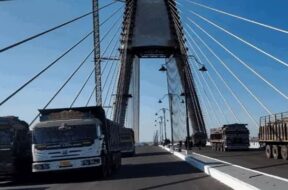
{"x":151,"y":168}
{"x":253,"y":159}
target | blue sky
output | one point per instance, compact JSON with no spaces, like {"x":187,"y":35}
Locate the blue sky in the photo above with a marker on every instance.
{"x":19,"y":19}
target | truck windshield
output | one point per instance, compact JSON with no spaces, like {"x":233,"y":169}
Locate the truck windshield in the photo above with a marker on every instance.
{"x":54,"y":135}
{"x":236,"y":132}
{"x":5,"y":136}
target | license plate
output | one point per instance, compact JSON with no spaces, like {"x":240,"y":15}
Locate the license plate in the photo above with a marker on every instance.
{"x":65,"y":163}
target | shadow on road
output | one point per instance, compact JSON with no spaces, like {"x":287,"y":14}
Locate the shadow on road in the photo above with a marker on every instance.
{"x":52,"y":178}
{"x":173,"y":183}
{"x":31,"y":188}
{"x":152,"y":154}
{"x":270,"y":166}
{"x":154,"y":170}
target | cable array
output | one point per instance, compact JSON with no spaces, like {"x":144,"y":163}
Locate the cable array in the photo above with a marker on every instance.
{"x":52,"y":29}
{"x":112,"y":26}
{"x":187,"y":15}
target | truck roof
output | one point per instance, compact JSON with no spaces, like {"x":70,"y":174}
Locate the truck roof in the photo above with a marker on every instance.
{"x":235,"y":126}
{"x":13,"y":121}
{"x":72,"y":113}
{"x":55,"y":123}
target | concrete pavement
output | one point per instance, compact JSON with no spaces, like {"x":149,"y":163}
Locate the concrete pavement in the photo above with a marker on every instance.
{"x":151,"y":168}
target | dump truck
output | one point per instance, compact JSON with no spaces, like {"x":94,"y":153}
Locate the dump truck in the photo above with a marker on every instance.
{"x":273,"y":135}
{"x":198,"y":139}
{"x":127,"y":141}
{"x":76,"y":138}
{"x":15,"y":147}
{"x":230,"y":137}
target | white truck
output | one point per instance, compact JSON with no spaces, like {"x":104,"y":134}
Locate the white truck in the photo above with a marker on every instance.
{"x":75,"y":138}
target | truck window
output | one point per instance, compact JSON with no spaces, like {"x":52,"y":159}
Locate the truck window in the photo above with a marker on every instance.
{"x":5,"y":137}
{"x":52,"y":135}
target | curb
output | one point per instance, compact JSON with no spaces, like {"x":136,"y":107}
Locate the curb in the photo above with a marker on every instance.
{"x":212,"y":171}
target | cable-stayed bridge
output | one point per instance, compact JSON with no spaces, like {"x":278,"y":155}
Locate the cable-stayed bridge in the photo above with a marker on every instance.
{"x":218,"y":67}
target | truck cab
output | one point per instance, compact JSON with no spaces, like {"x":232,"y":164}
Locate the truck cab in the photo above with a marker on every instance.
{"x":15,"y":148}
{"x":67,"y":144}
{"x":230,"y":137}
{"x":73,"y":139}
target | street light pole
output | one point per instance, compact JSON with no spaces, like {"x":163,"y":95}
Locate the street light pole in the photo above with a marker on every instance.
{"x":171,"y":118}
{"x":187,"y":116}
{"x":161,"y":128}
{"x":164,"y":115}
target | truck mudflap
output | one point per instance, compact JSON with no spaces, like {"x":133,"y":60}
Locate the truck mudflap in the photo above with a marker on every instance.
{"x":66,"y":164}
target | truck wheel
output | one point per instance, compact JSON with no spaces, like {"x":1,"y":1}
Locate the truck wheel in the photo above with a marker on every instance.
{"x":118,"y":162}
{"x":284,"y":152}
{"x":268,"y":151}
{"x":109,"y":166}
{"x":103,"y":168}
{"x":275,"y":152}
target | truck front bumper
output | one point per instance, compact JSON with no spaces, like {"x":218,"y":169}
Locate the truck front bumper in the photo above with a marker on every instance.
{"x":6,"y":168}
{"x":66,"y":164}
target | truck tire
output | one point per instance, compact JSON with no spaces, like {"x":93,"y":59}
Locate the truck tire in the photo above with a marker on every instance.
{"x":216,"y":147}
{"x":220,"y":148}
{"x":275,"y":152}
{"x":103,"y":172}
{"x":109,"y":166}
{"x":268,"y":151}
{"x":118,"y":162}
{"x":284,"y":152}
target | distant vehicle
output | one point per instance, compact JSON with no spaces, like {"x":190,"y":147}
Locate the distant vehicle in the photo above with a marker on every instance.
{"x":273,"y":135}
{"x":199,"y":139}
{"x":76,"y":138}
{"x":127,"y":141}
{"x":230,"y":137}
{"x":139,"y":144}
{"x":15,"y":147}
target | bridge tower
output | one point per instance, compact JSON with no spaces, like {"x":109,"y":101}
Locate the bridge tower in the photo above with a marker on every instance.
{"x":152,"y":29}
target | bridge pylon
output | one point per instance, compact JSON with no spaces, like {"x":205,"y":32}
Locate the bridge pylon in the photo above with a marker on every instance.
{"x":152,"y":29}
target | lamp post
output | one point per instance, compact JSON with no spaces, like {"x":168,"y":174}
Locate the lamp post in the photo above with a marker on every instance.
{"x":170,"y":96}
{"x":188,"y":144}
{"x":164,"y":118}
{"x":160,"y":127}
{"x":185,"y":93}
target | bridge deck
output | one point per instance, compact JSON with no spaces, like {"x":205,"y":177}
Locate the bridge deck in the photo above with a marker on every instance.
{"x":253,"y":159}
{"x":152,"y":168}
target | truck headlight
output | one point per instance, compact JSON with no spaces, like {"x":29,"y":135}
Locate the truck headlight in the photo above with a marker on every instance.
{"x":90,"y":162}
{"x":42,"y":167}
